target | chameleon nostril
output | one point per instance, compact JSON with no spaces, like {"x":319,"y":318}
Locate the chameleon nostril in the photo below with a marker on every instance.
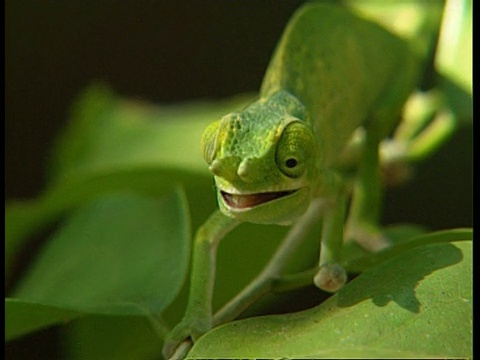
{"x":216,"y":167}
{"x":242,"y":170}
{"x":224,"y":168}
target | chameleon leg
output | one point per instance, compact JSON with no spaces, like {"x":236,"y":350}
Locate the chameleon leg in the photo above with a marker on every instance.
{"x":365,"y":208}
{"x":263,"y":283}
{"x":331,"y":276}
{"x":367,"y":193}
{"x":426,"y":124}
{"x":198,"y":316}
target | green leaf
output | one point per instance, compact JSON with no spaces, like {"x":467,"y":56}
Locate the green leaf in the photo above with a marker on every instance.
{"x":122,"y":254}
{"x":454,"y":58}
{"x":454,"y":54}
{"x":22,"y":317}
{"x":112,"y":144}
{"x":21,"y":219}
{"x":367,"y":261}
{"x":418,"y":304}
{"x":107,"y":133}
{"x":112,"y":338}
{"x":414,"y":21}
{"x":25,"y":218}
{"x":396,"y":235}
{"x":425,"y":22}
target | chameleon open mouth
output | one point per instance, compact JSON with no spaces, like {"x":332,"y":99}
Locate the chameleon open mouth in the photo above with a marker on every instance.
{"x":238,"y":201}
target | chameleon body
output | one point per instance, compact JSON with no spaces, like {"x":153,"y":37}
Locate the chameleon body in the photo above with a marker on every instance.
{"x":332,"y":72}
{"x":321,"y":85}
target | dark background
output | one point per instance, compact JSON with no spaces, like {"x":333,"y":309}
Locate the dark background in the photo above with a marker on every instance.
{"x":160,"y":51}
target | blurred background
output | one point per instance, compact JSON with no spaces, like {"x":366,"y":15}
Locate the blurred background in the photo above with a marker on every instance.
{"x":167,"y":52}
{"x":159,"y":51}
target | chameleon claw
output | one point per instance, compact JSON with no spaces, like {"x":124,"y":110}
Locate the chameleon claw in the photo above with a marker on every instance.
{"x":173,"y":341}
{"x":179,"y":351}
{"x":185,"y":332}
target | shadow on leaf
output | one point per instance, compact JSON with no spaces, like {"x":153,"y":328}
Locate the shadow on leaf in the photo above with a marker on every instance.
{"x":396,"y":279}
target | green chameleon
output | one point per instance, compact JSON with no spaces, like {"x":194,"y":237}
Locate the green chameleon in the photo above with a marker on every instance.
{"x":275,"y":162}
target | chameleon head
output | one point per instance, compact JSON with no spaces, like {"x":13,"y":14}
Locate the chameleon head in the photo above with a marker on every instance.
{"x":263,"y":160}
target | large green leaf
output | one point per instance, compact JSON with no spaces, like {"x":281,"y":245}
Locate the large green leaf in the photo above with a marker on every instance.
{"x":114,"y":144}
{"x":122,"y":254}
{"x":366,"y":260}
{"x":111,"y":337}
{"x":22,"y":317}
{"x":416,"y":304}
{"x":108,"y":133}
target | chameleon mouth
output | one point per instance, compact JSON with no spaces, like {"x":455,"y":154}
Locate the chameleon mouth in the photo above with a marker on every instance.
{"x":237,"y":201}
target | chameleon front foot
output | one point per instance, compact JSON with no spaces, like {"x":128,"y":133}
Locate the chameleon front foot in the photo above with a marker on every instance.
{"x":187,"y":331}
{"x":330,"y":277}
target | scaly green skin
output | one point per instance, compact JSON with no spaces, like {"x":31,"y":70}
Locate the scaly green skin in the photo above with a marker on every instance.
{"x":273,"y":158}
{"x":323,"y":77}
{"x":247,"y":152}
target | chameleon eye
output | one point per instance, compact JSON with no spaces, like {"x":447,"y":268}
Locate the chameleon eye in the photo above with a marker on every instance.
{"x":294,"y":148}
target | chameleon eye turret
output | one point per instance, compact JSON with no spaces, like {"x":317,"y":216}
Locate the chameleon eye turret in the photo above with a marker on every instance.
{"x":295,"y":149}
{"x":209,"y":142}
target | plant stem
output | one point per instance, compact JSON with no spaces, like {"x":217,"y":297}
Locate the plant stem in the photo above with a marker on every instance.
{"x":265,"y":281}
